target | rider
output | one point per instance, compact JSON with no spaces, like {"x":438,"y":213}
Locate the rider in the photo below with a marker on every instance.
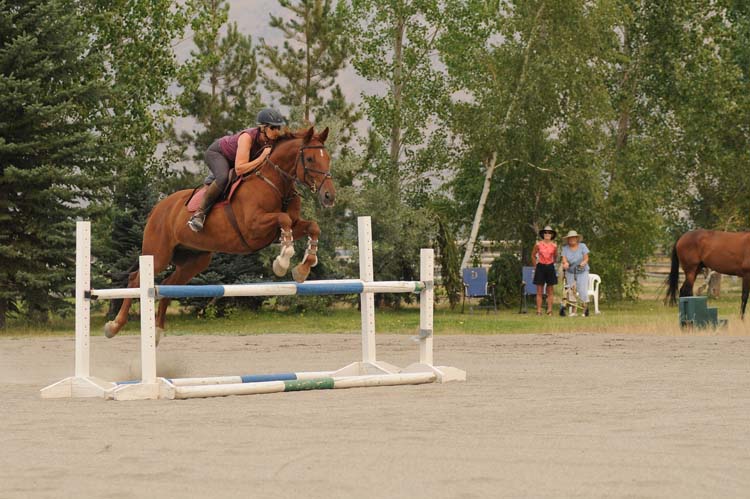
{"x":243,"y":152}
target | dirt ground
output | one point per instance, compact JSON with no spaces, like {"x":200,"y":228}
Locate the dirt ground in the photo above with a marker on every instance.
{"x":563,"y":415}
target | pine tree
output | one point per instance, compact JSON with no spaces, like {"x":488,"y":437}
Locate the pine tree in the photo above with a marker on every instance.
{"x":315,"y":50}
{"x":135,"y":40}
{"x":50,"y":90}
{"x":219,"y":82}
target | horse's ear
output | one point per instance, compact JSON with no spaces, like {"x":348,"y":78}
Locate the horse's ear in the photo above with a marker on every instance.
{"x":323,"y":136}
{"x":309,"y":134}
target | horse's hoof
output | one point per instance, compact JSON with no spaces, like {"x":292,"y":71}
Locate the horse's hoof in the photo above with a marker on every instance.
{"x":159,"y":333}
{"x":278,"y":268}
{"x":299,"y":275}
{"x":111,"y":329}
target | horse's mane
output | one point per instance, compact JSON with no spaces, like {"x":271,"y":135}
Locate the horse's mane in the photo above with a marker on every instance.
{"x":290,"y":135}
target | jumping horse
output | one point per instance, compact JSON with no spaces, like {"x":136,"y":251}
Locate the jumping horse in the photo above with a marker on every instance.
{"x":264,"y":210}
{"x":724,"y":252}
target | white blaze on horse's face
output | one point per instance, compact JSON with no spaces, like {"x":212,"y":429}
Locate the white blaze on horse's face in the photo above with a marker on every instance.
{"x":317,"y":174}
{"x":327,"y":192}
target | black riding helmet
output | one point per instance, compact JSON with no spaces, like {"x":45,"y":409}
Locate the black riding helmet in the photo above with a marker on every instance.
{"x":271,"y":117}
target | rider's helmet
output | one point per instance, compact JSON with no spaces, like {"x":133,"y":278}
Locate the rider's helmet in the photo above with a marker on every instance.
{"x":271,"y":117}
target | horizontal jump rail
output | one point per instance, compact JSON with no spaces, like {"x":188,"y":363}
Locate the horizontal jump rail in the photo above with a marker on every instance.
{"x":325,"y":383}
{"x":309,"y":288}
{"x":247,"y":378}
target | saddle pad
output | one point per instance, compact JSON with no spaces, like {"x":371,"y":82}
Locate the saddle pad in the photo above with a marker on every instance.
{"x":195,"y":201}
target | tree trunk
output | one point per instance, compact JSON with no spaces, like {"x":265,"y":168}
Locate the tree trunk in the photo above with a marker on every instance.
{"x":480,"y":210}
{"x":308,"y":63}
{"x":623,"y":121}
{"x":397,"y":87}
{"x":3,"y":312}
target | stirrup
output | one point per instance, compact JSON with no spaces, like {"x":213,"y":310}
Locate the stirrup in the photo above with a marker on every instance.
{"x":196,"y":221}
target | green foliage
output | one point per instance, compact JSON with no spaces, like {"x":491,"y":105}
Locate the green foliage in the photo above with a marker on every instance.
{"x":50,"y":94}
{"x":134,"y":40}
{"x":315,"y":50}
{"x":450,"y":263}
{"x":219,"y":81}
{"x":551,"y":94}
{"x":625,"y":120}
{"x":505,"y":274}
{"x":394,"y":41}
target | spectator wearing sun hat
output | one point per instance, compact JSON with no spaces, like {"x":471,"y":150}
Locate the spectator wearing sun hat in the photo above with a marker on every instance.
{"x":575,"y":261}
{"x":544,"y":255}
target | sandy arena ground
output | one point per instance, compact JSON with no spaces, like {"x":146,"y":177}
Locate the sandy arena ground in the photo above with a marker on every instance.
{"x":540,"y":416}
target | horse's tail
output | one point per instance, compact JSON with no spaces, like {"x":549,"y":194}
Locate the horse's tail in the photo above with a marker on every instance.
{"x":674,"y":277}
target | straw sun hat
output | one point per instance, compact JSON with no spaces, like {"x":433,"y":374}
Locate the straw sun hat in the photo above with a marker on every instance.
{"x":572,"y":233}
{"x":547,"y":228}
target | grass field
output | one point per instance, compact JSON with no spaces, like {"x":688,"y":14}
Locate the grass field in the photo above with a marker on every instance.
{"x":646,"y":316}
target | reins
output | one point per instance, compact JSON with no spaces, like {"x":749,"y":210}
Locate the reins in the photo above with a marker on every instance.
{"x":293,"y":179}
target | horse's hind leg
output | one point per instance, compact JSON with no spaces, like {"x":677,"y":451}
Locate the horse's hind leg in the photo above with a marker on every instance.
{"x":691,"y":273}
{"x":113,"y":327}
{"x":184,"y":271}
{"x":745,"y":293}
{"x":312,"y":230}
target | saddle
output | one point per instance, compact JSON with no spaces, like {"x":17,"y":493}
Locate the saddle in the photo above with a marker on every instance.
{"x":194,"y":201}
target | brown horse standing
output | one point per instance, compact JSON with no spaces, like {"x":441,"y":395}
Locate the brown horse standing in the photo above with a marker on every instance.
{"x":724,"y":252}
{"x":266,"y":208}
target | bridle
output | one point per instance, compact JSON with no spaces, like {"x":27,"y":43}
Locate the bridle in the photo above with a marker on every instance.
{"x":326,"y":175}
{"x":293,"y":176}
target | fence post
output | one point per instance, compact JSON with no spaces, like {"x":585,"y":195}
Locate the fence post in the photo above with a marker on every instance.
{"x":367,"y":300}
{"x":83,"y":304}
{"x":426,"y":304}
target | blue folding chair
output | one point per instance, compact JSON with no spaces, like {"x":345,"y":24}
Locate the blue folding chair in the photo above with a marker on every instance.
{"x":528,"y":287}
{"x":476,"y":285}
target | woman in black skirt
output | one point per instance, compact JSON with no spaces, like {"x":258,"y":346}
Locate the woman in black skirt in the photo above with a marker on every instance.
{"x":544,"y":255}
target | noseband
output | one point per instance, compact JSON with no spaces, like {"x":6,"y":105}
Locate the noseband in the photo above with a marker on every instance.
{"x":326,"y":175}
{"x":293,"y":176}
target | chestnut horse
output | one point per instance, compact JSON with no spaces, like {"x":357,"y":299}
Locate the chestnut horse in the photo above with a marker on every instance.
{"x":724,"y":252}
{"x":266,"y":207}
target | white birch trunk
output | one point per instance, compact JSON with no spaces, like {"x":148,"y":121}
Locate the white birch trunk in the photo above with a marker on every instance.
{"x":480,"y":210}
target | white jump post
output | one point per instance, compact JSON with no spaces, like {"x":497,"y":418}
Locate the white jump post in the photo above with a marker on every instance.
{"x":81,"y":384}
{"x":369,"y":364}
{"x":426,"y":316}
{"x":148,"y":388}
{"x":426,"y":304}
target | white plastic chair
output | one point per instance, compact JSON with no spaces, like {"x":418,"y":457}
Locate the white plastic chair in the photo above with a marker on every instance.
{"x":594,"y":282}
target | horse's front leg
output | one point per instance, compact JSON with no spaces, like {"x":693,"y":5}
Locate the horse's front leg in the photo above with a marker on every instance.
{"x":269,"y":222}
{"x":310,"y":260}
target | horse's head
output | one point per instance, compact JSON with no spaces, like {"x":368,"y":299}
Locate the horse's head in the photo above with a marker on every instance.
{"x":313,"y":167}
{"x":302,"y":157}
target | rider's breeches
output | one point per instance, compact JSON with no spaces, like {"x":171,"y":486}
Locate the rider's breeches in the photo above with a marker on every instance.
{"x":581,"y":279}
{"x":218,"y":164}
